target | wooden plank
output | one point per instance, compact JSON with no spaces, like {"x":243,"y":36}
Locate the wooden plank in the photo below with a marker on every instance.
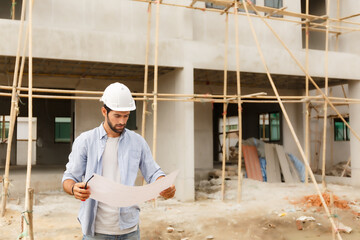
{"x":272,"y":164}
{"x":252,"y":163}
{"x":293,"y":170}
{"x":284,"y":164}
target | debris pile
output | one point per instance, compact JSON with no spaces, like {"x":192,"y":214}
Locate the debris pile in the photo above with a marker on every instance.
{"x":314,"y":201}
{"x":340,"y":169}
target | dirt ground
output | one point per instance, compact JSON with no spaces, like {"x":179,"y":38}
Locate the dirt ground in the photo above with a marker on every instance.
{"x":267,"y":211}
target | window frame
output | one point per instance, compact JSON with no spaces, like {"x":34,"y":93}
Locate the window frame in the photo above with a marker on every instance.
{"x":269,"y":127}
{"x":281,"y":5}
{"x":56,"y":140}
{"x":346,"y":130}
{"x":4,"y":122}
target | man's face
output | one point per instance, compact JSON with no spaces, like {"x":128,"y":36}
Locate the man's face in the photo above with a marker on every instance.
{"x":116,"y":120}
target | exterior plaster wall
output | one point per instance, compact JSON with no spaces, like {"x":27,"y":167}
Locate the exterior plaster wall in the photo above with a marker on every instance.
{"x":82,"y":31}
{"x":354,"y":92}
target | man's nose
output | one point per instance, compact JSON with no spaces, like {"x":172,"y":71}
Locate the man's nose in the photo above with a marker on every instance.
{"x":122,"y":121}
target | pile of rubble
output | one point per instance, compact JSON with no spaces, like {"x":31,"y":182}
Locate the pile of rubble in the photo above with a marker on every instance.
{"x":314,"y":201}
{"x":341,"y":169}
{"x":230,"y":171}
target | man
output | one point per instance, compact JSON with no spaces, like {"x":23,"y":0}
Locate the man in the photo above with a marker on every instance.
{"x":116,"y":153}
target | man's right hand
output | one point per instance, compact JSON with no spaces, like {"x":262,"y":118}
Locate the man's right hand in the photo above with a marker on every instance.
{"x":80,"y":192}
{"x":76,"y":189}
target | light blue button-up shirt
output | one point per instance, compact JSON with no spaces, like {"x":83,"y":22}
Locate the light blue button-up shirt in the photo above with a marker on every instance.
{"x":86,"y":159}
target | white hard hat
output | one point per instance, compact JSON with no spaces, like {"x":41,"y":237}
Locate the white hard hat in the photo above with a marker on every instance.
{"x":118,"y":97}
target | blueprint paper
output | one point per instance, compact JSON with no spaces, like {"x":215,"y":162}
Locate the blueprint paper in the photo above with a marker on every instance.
{"x":119,"y":195}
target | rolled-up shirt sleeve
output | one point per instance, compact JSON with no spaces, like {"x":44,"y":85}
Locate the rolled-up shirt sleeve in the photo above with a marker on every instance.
{"x":149,"y":168}
{"x":75,"y":168}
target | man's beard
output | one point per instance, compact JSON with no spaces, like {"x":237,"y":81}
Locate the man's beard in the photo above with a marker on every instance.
{"x":113,"y":127}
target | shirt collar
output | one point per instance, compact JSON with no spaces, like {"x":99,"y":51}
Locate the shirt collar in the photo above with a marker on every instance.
{"x":103,"y":134}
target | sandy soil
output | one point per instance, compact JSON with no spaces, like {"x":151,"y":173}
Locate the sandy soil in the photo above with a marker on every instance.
{"x":267,"y":211}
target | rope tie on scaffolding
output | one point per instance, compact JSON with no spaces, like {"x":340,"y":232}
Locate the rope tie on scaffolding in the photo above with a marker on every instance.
{"x":154,"y":94}
{"x":23,"y":217}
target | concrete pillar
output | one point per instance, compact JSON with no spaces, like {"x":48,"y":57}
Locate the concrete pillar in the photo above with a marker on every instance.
{"x":175,"y":147}
{"x":354,"y":92}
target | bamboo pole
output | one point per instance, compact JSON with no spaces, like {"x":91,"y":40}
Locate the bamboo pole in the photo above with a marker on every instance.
{"x":156,"y":75}
{"x":143,"y":122}
{"x":3,"y":128}
{"x":13,"y":9}
{"x":332,"y":213}
{"x":326,"y":93}
{"x":21,"y":74}
{"x":307,"y":105}
{"x":205,"y":97}
{"x":287,"y":118}
{"x":30,"y":213}
{"x":190,"y":99}
{"x":347,"y":164}
{"x":12,"y":115}
{"x":238,"y":85}
{"x":30,"y":115}
{"x":225,"y":105}
{"x":338,"y":23}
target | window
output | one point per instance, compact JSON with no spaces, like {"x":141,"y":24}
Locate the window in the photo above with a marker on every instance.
{"x":270,"y":127}
{"x":341,"y":131}
{"x":4,"y":128}
{"x":274,"y":4}
{"x":6,"y":9}
{"x":212,"y":5}
{"x":62,"y":129}
{"x":249,"y":8}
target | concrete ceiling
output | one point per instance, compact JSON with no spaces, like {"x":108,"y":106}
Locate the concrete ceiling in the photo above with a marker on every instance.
{"x":260,"y":80}
{"x":67,"y":69}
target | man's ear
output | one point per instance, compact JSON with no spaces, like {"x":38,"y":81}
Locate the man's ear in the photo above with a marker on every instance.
{"x":103,"y":111}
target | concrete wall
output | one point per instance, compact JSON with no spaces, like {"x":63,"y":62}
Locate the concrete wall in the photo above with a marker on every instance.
{"x":175,"y":132}
{"x":116,"y":32}
{"x":203,"y":136}
{"x":354,"y":92}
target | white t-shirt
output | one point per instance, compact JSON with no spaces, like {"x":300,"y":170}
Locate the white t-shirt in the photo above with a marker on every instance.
{"x":107,"y":217}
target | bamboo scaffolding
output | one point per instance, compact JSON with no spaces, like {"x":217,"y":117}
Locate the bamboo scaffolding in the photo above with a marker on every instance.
{"x":30,"y":121}
{"x":259,"y":9}
{"x":326,"y":93}
{"x":310,"y":78}
{"x":190,"y":99}
{"x":205,"y":97}
{"x":12,"y":115}
{"x":143,"y":122}
{"x":238,"y":85}
{"x":307,"y":105}
{"x":289,"y":122}
{"x":225,"y":105}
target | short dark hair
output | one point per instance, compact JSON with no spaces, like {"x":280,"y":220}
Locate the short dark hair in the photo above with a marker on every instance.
{"x":107,"y":109}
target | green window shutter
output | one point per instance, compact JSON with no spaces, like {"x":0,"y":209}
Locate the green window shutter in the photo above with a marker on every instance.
{"x":62,"y":129}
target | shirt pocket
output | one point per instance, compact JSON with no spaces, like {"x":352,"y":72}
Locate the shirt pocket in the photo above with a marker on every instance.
{"x":134,"y":160}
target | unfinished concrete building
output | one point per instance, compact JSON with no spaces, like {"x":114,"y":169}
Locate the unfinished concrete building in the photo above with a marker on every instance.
{"x":86,"y":45}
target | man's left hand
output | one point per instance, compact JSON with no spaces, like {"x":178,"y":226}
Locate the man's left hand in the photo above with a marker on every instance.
{"x":169,"y":192}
